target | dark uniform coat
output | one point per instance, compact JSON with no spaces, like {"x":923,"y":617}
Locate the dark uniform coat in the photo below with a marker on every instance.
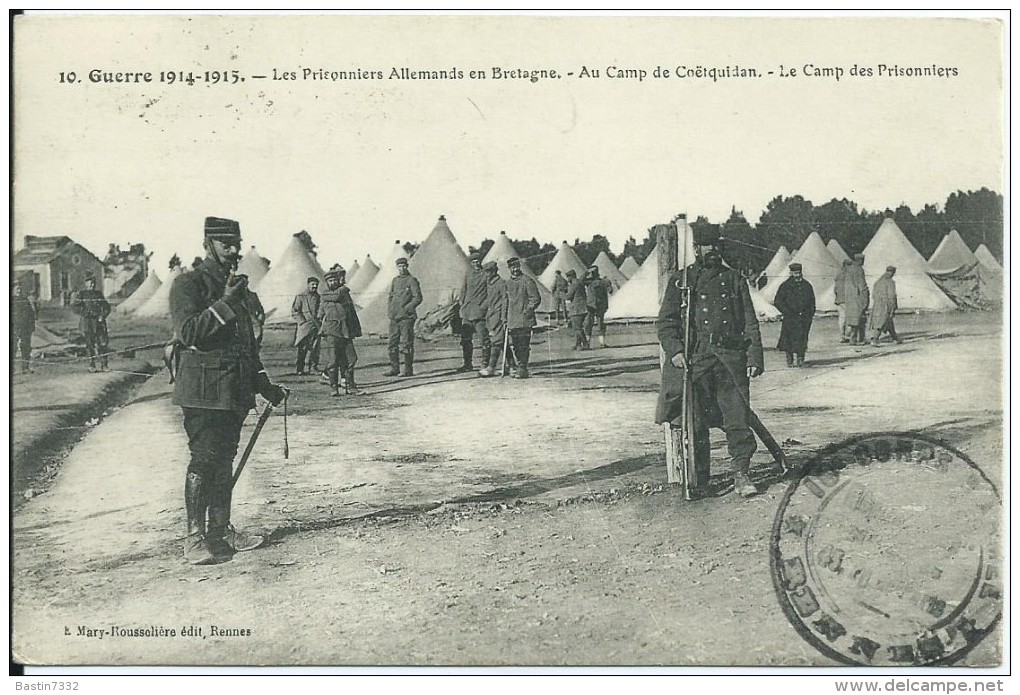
{"x":304,"y":311}
{"x":577,"y":298}
{"x":472,"y":295}
{"x":597,"y":294}
{"x":795,"y":299}
{"x":404,"y":298}
{"x":522,"y":299}
{"x":725,"y":331}
{"x":93,"y":309}
{"x":219,"y":356}
{"x":495,"y":305}
{"x":23,"y":315}
{"x":337,"y":315}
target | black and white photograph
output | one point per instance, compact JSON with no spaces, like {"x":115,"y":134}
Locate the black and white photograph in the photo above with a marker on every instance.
{"x":510,"y":341}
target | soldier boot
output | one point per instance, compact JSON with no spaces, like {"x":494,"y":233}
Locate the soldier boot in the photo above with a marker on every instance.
{"x":351,"y":388}
{"x":394,"y":364}
{"x":466,"y":349}
{"x":224,"y":537}
{"x":197,"y":550}
{"x":800,"y":360}
{"x":408,"y":363}
{"x":789,"y":359}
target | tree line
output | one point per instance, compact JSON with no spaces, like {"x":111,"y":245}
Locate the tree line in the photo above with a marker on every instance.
{"x":789,"y":220}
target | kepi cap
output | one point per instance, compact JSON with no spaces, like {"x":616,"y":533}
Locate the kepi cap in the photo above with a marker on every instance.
{"x":796,"y":267}
{"x":706,"y":235}
{"x":402,"y":261}
{"x":221,"y":227}
{"x":489,"y":265}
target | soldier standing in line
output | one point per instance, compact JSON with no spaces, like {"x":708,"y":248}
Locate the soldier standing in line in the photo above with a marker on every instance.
{"x":559,"y":292}
{"x":23,"y":316}
{"x":472,"y":314}
{"x":495,"y":316}
{"x":404,"y":298}
{"x":577,"y":308}
{"x":596,"y":292}
{"x":725,"y":353}
{"x":340,"y":325}
{"x":92,"y":307}
{"x":839,"y":290}
{"x":218,"y":375}
{"x":856,"y":299}
{"x":305,"y":312}
{"x":522,"y":298}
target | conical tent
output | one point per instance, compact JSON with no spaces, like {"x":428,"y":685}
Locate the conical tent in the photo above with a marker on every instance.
{"x":629,"y":267}
{"x":837,"y":252}
{"x":439,"y":264}
{"x":639,"y":298}
{"x":254,"y":266}
{"x":778,"y":264}
{"x":819,"y":269}
{"x":564,"y":260}
{"x":952,"y":253}
{"x":609,"y":272}
{"x":158,"y":305}
{"x":380,"y":285}
{"x":914,"y":289}
{"x":500,"y":251}
{"x":958,"y":273}
{"x":352,"y":272}
{"x":287,"y":278}
{"x":986,"y":258}
{"x":137,"y":298}
{"x":366,"y":273}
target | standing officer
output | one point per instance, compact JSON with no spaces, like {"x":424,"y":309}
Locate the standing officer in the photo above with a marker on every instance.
{"x":795,"y":300}
{"x":495,"y":316}
{"x":217,"y":378}
{"x":559,"y":291}
{"x":597,"y":297}
{"x":522,"y":298}
{"x":577,"y":308}
{"x":405,"y":296}
{"x":472,"y":314}
{"x":726,"y":351}
{"x":23,"y":315}
{"x":93,"y":308}
{"x":305,"y":312}
{"x":340,"y":325}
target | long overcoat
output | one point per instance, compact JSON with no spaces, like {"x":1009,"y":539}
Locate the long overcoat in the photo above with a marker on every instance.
{"x":522,"y":298}
{"x":304,"y":311}
{"x":885,"y":304}
{"x":795,"y":299}
{"x":855,"y":294}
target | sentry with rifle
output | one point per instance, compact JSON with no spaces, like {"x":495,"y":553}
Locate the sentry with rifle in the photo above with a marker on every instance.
{"x":712,"y":347}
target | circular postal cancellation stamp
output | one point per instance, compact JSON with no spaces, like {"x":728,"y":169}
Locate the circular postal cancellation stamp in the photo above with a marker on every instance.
{"x":885,"y":551}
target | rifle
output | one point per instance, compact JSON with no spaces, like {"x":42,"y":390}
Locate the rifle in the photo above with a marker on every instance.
{"x":689,"y":471}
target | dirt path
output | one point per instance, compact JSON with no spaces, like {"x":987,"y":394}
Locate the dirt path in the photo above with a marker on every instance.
{"x":455,"y":520}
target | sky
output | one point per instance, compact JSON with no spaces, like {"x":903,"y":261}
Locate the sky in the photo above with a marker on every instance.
{"x":362,"y":163}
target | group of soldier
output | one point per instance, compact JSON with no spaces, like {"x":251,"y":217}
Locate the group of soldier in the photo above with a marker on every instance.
{"x":584,"y":302}
{"x":795,"y":300}
{"x":88,"y":303}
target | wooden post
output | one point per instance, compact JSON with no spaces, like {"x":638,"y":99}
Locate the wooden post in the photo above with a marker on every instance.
{"x":666,"y":243}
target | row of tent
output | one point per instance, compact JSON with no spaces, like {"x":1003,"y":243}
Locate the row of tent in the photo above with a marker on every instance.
{"x":440,"y":265}
{"x":953,"y":277}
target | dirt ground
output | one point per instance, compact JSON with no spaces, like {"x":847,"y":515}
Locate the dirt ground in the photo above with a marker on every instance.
{"x":448,"y":519}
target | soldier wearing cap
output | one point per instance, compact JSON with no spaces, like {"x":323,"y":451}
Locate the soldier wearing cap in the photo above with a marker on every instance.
{"x":884,"y":307}
{"x":795,"y":300}
{"x":472,"y":314}
{"x":725,"y":352}
{"x":577,"y":309}
{"x":340,"y":325}
{"x":218,"y":374}
{"x":522,"y":299}
{"x":404,"y":298}
{"x":305,"y":311}
{"x":90,"y":304}
{"x":495,"y":316}
{"x":839,"y":293}
{"x":856,"y":299}
{"x":596,"y":291}
{"x":23,"y":315}
{"x":559,"y":292}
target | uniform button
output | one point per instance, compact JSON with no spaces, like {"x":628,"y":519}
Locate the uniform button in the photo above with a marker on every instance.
{"x":724,"y":295}
{"x":704,"y":296}
{"x":705,"y":309}
{"x":725,"y":321}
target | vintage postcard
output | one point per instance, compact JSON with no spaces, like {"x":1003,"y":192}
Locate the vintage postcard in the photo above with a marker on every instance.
{"x":478,"y":340}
